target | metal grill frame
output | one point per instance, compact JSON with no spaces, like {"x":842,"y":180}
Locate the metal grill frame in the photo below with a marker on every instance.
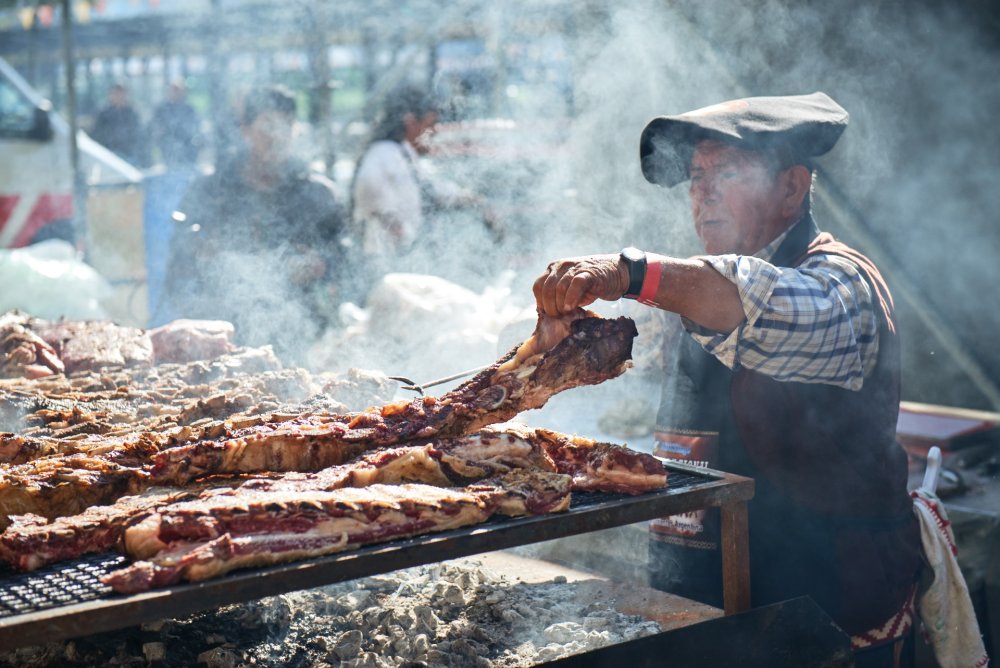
{"x":102,"y":610}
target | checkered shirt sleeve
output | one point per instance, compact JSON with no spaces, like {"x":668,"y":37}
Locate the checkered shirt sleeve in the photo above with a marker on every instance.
{"x":814,"y":323}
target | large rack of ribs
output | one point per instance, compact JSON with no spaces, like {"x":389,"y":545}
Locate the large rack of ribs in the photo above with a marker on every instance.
{"x":196,"y":467}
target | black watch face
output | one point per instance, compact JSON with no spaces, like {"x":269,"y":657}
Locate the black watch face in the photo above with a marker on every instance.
{"x":633,"y":254}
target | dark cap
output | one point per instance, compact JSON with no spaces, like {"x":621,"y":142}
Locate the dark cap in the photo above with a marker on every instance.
{"x":800,"y":126}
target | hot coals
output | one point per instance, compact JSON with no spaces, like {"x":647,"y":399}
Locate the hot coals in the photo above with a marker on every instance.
{"x":450,"y":614}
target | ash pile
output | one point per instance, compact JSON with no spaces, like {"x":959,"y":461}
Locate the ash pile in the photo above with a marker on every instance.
{"x":449,"y":614}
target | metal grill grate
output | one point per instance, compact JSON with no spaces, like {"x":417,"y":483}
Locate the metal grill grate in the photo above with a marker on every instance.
{"x":677,"y":481}
{"x":57,"y":585}
{"x":69,"y":583}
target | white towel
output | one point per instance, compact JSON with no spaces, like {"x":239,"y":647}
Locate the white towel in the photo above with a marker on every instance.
{"x":945,"y":606}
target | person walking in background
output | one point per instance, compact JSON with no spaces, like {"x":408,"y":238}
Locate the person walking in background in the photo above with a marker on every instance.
{"x":790,"y":373}
{"x":117,"y":127}
{"x":387,"y":190}
{"x":258,"y":242}
{"x":175,"y":129}
{"x":394,"y":193}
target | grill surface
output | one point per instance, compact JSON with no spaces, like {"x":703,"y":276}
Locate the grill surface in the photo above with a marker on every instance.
{"x":56,"y":585}
{"x":67,"y":599}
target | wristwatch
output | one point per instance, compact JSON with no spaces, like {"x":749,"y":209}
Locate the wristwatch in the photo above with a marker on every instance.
{"x":635,"y":261}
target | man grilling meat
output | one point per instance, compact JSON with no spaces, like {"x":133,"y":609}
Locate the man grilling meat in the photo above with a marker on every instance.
{"x":790,"y":372}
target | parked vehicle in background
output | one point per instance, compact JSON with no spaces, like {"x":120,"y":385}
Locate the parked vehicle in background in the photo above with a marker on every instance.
{"x":36,"y":172}
{"x":36,"y":194}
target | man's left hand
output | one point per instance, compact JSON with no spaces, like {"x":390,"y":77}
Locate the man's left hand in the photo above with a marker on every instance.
{"x":576,"y":282}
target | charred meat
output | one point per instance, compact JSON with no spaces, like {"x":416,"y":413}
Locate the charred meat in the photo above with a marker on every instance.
{"x":211,"y":536}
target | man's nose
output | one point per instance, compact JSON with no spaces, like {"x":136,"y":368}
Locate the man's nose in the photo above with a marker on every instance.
{"x":704,"y":189}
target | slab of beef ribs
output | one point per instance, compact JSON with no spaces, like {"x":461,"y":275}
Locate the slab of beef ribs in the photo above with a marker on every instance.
{"x":595,"y":466}
{"x":592,"y":349}
{"x":213,"y":535}
{"x":33,"y":541}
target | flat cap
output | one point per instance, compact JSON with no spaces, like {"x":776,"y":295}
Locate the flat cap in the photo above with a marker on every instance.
{"x":801,"y":126}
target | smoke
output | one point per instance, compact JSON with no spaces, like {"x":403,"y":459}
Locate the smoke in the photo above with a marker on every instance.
{"x":914,"y":169}
{"x":915,"y":163}
{"x":561,"y":173}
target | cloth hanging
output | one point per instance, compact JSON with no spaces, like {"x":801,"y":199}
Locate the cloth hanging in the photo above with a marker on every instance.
{"x":943,"y":602}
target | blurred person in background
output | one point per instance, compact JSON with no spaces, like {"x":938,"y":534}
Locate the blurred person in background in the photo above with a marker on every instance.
{"x":258,"y":242}
{"x":175,"y":129}
{"x":789,"y":373}
{"x":395,"y":194}
{"x":117,"y":127}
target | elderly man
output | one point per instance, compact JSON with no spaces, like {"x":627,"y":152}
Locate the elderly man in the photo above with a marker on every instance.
{"x":790,"y":374}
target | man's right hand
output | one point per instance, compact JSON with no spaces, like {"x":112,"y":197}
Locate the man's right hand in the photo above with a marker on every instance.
{"x":572,"y":283}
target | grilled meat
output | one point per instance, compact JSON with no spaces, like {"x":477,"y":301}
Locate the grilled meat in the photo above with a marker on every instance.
{"x":439,"y":462}
{"x":64,"y":476}
{"x":602,"y":467}
{"x":57,"y":486}
{"x":514,"y":451}
{"x":182,"y":341}
{"x":23,"y":353}
{"x":32,"y":541}
{"x":594,"y":350}
{"x":213,"y":535}
{"x":97,"y":344}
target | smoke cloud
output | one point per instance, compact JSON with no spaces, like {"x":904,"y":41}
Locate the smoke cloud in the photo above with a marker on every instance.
{"x":913,"y":170}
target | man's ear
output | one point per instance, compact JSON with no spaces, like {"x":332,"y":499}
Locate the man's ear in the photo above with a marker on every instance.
{"x":796,"y":183}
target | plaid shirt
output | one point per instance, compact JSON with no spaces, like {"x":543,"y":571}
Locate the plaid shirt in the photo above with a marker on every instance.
{"x":814,"y":323}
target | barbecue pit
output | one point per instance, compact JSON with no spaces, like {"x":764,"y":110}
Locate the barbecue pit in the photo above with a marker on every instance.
{"x":67,"y":601}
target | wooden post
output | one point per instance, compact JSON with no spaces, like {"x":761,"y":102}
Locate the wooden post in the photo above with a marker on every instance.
{"x":735,"y":558}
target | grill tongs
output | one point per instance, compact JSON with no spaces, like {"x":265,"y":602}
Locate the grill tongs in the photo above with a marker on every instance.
{"x":419,"y":389}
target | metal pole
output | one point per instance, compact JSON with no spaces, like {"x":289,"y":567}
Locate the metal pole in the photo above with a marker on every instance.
{"x":79,"y":182}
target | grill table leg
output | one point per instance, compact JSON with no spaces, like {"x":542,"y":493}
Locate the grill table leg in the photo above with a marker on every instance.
{"x":735,"y":558}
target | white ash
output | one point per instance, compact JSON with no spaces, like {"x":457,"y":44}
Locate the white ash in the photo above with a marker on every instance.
{"x":458,"y":615}
{"x":440,"y":615}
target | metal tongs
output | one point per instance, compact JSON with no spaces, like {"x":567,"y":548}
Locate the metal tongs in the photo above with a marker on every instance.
{"x":419,"y":389}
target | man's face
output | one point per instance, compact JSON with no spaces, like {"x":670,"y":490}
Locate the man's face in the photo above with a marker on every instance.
{"x":735,"y":199}
{"x":176,"y":93}
{"x":118,"y":97}
{"x":269,"y":136}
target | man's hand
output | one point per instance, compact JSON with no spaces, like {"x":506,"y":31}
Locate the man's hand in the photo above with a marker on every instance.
{"x":576,"y":282}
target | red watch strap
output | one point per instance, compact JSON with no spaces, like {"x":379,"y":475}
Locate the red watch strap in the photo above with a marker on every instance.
{"x":651,"y":283}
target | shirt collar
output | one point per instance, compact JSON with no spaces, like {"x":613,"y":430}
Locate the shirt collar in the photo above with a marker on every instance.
{"x":768,"y":251}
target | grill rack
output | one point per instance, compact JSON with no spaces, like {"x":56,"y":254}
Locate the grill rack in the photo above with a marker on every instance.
{"x":67,"y":599}
{"x":57,"y":585}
